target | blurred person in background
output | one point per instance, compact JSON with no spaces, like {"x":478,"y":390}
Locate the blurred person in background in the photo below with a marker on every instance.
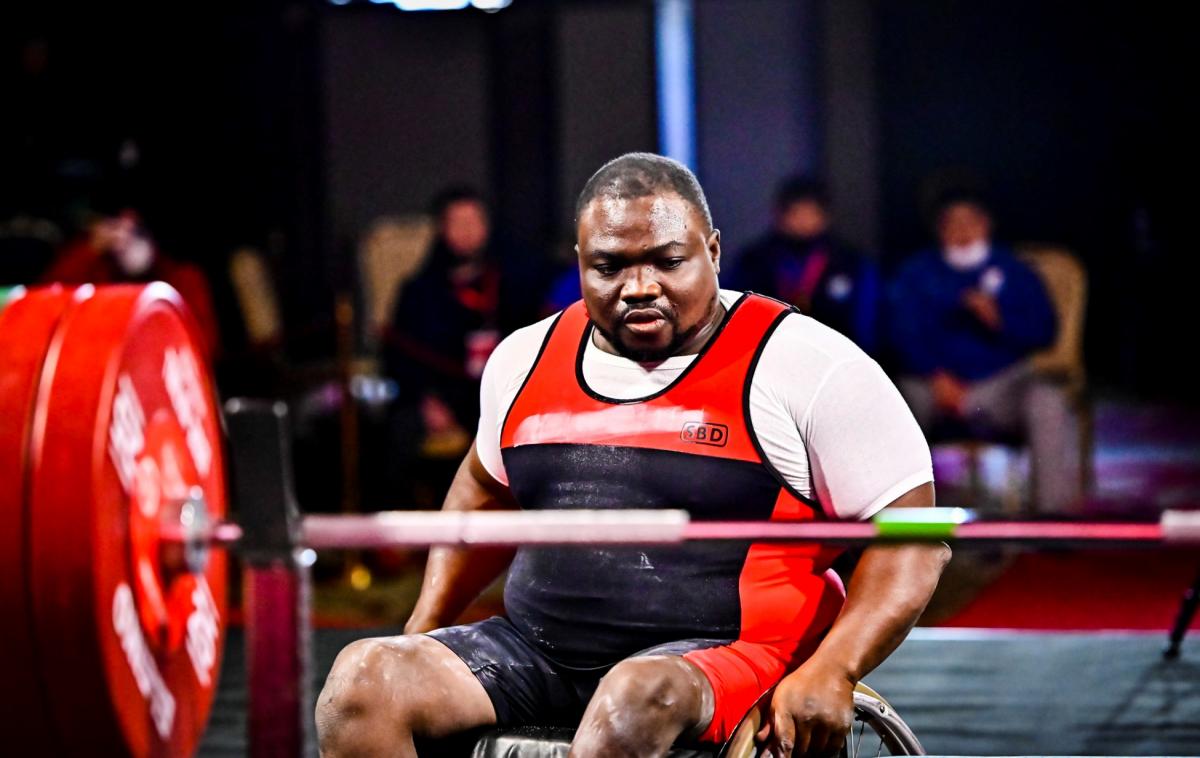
{"x":115,"y":247}
{"x":964,"y":318}
{"x":449,"y":317}
{"x":801,"y":261}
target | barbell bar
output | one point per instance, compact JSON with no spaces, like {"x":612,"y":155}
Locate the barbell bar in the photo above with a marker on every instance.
{"x":416,"y":529}
{"x":114,"y":530}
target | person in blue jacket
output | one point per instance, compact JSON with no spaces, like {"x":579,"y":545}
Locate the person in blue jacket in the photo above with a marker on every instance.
{"x":963,"y":319}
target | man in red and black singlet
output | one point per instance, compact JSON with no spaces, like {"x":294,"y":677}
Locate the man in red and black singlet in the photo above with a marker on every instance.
{"x":658,"y":390}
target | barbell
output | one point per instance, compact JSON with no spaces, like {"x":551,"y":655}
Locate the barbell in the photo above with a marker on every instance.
{"x":114,"y":527}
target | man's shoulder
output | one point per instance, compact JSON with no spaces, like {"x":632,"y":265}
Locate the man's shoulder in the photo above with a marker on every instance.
{"x":804,"y":340}
{"x":517,"y":351}
{"x":530,"y":336}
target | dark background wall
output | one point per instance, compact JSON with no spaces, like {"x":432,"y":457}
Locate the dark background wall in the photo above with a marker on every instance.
{"x":757,"y":113}
{"x":291,"y":124}
{"x":605,"y":89}
{"x":219,"y":103}
{"x":514,"y":103}
{"x":398,"y":128}
{"x":1070,"y":115}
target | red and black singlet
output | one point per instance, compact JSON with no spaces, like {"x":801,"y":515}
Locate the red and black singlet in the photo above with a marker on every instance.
{"x":690,"y":445}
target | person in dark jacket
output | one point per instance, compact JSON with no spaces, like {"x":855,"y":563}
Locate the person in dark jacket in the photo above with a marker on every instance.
{"x":964,"y":317}
{"x":469,"y":292}
{"x":801,"y":262}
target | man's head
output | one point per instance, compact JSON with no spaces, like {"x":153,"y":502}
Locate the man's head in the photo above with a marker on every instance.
{"x":121,"y":235}
{"x":963,"y":220}
{"x":648,"y":256}
{"x":462,"y":221}
{"x":801,"y":208}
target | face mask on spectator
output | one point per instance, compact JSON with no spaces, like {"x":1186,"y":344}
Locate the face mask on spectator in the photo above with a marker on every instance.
{"x":965,"y":257}
{"x":135,"y":257}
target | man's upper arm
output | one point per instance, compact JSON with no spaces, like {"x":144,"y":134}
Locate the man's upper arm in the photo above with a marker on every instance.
{"x":921,"y":496}
{"x":478,"y":489}
{"x":865,"y":447}
{"x":503,"y":376}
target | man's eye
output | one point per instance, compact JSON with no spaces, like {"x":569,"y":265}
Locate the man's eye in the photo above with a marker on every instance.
{"x":605,"y":269}
{"x":671,"y":263}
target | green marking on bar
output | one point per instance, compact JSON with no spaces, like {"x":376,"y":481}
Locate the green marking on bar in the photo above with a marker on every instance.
{"x":915,"y":530}
{"x":919,"y":523}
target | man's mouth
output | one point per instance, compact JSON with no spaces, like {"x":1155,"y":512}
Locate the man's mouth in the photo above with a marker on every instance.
{"x":644,"y":321}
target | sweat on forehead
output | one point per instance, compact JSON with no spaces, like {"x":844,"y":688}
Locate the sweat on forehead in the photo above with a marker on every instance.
{"x":636,"y":175}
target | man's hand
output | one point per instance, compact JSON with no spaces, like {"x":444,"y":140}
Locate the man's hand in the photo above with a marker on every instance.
{"x":813,"y":707}
{"x":949,"y":393}
{"x":811,"y":712}
{"x":984,"y":308}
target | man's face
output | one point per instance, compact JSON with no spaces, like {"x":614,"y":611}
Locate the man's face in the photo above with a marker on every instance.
{"x":465,"y":227}
{"x":648,"y":269}
{"x":803,"y":219}
{"x":112,"y":233}
{"x":963,"y":224}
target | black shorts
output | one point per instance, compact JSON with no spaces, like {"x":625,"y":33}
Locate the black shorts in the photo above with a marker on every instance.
{"x":525,"y":686}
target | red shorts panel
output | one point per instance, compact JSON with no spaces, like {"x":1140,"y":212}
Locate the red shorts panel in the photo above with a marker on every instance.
{"x":739,"y":674}
{"x":743,"y":670}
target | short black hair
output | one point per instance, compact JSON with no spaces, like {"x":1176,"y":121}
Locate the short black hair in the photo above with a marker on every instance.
{"x":642,"y":174}
{"x":801,"y":189}
{"x":455,"y":194}
{"x":962,"y":196}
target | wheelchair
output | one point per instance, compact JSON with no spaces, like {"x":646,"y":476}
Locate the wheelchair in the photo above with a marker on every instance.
{"x":877,"y":730}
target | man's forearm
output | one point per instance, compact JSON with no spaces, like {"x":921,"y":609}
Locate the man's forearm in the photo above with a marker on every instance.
{"x":455,"y":576}
{"x":891,"y":586}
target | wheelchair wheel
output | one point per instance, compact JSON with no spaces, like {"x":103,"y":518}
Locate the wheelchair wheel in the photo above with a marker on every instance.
{"x":889,"y":735}
{"x":877,"y":729}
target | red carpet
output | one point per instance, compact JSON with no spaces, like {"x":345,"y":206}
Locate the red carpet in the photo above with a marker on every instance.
{"x":1085,"y":590}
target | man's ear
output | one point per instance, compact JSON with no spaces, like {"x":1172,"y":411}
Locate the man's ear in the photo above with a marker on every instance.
{"x":714,"y":249}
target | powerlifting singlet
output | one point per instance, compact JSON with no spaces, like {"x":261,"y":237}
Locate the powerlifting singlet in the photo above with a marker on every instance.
{"x":689,"y":446}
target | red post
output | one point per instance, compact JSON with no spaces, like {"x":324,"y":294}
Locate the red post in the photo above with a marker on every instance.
{"x":276,"y":599}
{"x":275,"y":578}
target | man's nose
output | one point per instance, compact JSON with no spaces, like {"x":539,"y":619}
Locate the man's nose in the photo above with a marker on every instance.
{"x":641,"y":284}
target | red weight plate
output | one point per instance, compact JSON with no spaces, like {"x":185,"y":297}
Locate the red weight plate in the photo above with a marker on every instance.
{"x":27,"y":324}
{"x":130,"y":426}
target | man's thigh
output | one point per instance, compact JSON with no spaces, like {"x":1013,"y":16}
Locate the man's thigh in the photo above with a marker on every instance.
{"x":644,"y":704}
{"x":523,"y":685}
{"x":688,"y":665}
